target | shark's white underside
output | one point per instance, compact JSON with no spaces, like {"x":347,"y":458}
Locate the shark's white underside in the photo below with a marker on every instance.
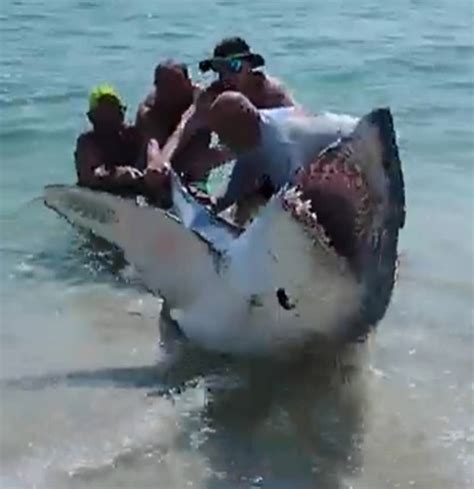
{"x":224,"y":300}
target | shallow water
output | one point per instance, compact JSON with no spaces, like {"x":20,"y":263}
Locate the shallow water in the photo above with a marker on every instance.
{"x":84,"y":401}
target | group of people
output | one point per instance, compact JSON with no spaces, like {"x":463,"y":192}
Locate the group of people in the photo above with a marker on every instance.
{"x":257,"y":121}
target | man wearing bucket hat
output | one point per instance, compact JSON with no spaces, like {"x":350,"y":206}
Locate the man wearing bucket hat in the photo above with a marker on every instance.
{"x":236,"y":66}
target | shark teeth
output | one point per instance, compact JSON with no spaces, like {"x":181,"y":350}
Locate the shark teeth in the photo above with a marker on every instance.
{"x":302,"y":211}
{"x":303,"y":207}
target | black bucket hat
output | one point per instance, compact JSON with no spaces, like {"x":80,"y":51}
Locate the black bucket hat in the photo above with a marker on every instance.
{"x":232,"y":48}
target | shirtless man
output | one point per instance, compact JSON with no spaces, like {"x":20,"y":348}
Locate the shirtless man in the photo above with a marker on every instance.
{"x":106,"y":157}
{"x":160,"y":113}
{"x":173,"y":93}
{"x":270,"y":146}
{"x":236,"y":66}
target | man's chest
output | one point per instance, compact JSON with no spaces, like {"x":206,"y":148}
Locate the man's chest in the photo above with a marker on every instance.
{"x":120,"y":150}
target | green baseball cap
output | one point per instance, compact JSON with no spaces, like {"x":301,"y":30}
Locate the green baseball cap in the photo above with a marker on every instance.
{"x":100,"y":91}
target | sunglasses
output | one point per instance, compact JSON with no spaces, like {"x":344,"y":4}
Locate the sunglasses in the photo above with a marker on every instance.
{"x":232,"y":65}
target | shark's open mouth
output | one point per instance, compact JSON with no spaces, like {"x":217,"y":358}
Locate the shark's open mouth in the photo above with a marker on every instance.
{"x":332,"y":199}
{"x":351,"y":201}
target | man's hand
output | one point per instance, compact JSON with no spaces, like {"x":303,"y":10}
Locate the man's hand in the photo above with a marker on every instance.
{"x":118,"y":172}
{"x":116,"y":178}
{"x":101,"y":172}
{"x":128,"y":172}
{"x":189,"y":121}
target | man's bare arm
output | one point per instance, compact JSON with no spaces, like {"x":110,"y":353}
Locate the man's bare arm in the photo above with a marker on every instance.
{"x":87,"y":159}
{"x":182,"y":135}
{"x":243,"y":181}
{"x":140,"y":117}
{"x":192,"y":121}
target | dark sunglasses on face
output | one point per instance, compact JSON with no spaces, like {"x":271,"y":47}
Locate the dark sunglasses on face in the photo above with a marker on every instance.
{"x":227,"y":65}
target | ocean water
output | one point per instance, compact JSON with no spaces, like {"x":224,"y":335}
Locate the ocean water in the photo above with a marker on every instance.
{"x":83,"y":402}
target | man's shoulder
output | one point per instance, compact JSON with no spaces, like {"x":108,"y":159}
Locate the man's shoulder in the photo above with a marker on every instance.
{"x":86,"y":138}
{"x":149,"y":100}
{"x":271,"y":81}
{"x":276,"y":93}
{"x":276,"y":123}
{"x":143,"y":112}
{"x":146,"y":105}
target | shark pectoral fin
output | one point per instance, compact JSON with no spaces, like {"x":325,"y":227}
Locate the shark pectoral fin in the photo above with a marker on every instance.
{"x":173,"y":260}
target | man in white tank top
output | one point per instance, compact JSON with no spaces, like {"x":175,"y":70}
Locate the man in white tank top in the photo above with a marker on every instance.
{"x":271,"y":144}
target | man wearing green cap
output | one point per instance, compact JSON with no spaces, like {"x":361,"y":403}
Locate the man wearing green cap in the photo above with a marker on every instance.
{"x":108,"y":156}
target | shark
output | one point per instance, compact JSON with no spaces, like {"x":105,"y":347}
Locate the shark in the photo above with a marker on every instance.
{"x":315,"y":265}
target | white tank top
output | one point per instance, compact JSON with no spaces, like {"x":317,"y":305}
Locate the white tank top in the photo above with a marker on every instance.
{"x":289,"y":141}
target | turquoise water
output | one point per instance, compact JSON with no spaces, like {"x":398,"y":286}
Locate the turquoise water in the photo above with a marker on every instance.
{"x":71,"y":324}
